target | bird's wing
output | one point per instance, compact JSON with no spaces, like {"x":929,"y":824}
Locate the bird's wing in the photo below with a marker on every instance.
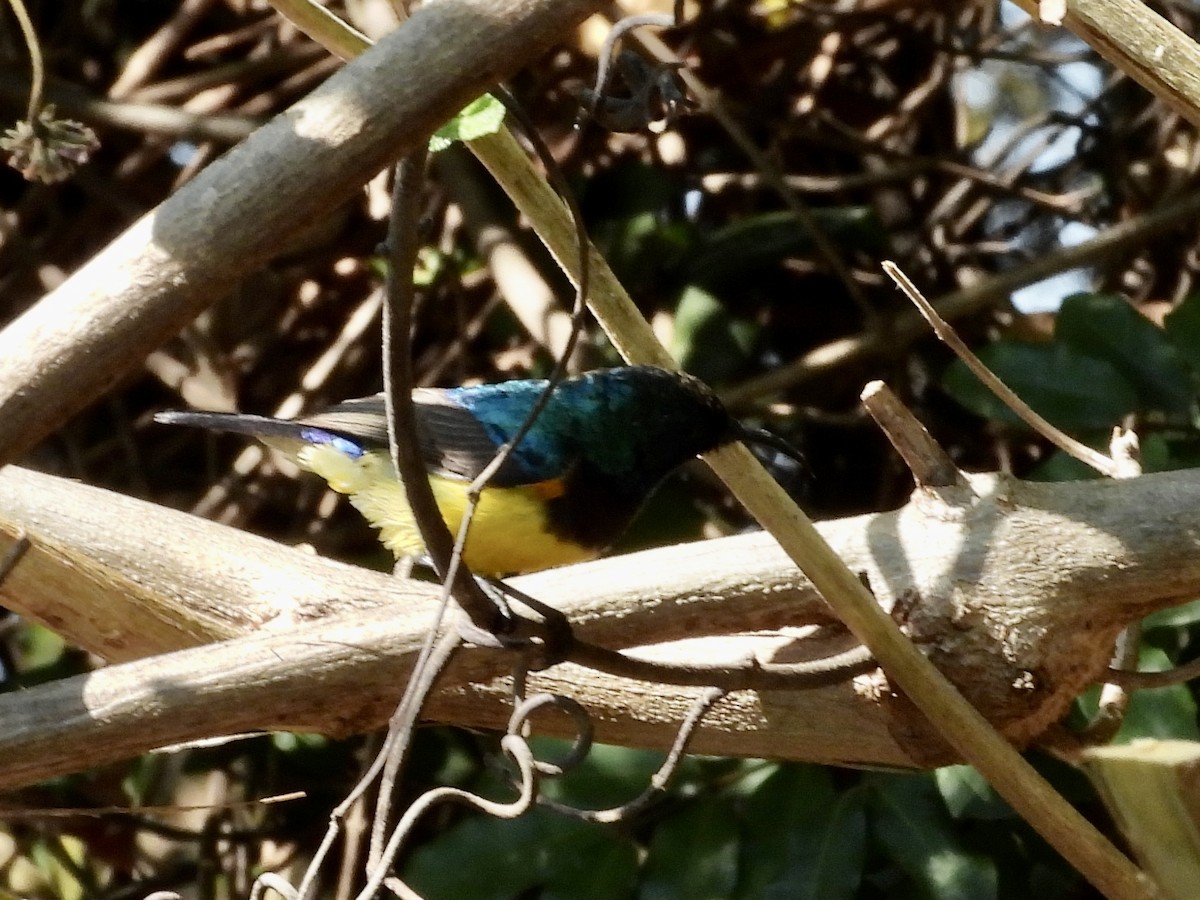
{"x":453,"y":443}
{"x":456,"y":444}
{"x":363,"y":420}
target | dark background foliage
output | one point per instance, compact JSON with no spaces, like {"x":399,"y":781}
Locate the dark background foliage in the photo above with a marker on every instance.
{"x":963,"y":143}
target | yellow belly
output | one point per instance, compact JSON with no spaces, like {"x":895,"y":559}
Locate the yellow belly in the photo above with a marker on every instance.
{"x":508,"y":532}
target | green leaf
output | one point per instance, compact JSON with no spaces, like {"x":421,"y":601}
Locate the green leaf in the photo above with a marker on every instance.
{"x":482,"y":116}
{"x":632,"y":210}
{"x":1073,"y":391}
{"x":291,"y":741}
{"x":840,"y":849}
{"x":967,"y":794}
{"x":800,"y":839}
{"x":1107,"y":327}
{"x":1175,"y":617}
{"x":1177,"y":451}
{"x":39,"y":646}
{"x":915,"y":831}
{"x":609,"y":776}
{"x":497,"y":859}
{"x":1168,"y":712}
{"x":1157,"y":453}
{"x":693,"y":854}
{"x":708,"y":341}
{"x":596,"y":868}
{"x":746,"y":246}
{"x":1182,"y":326}
{"x":1059,"y":466}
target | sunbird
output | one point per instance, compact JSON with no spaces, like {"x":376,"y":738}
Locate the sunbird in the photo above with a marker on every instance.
{"x":601,"y":445}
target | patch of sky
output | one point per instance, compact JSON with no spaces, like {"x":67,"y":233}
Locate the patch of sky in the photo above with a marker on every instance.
{"x":1001,"y":95}
{"x":182,"y":152}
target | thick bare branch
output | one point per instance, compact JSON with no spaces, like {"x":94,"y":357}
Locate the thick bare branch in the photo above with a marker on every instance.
{"x":87,"y":334}
{"x":1016,"y":591}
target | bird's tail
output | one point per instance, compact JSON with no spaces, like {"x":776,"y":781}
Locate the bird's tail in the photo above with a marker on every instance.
{"x":284,"y":435}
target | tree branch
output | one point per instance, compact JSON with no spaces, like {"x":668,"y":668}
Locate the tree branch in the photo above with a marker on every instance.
{"x":1141,"y":43}
{"x":92,"y":330}
{"x":1019,"y":622}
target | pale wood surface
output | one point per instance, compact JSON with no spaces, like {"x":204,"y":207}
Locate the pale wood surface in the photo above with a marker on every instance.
{"x":1016,"y":595}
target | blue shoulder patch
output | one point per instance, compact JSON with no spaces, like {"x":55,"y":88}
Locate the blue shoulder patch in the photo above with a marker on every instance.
{"x":502,"y":408}
{"x":313,"y":435}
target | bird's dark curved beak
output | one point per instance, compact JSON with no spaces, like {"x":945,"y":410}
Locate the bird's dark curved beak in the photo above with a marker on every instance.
{"x":760,"y":437}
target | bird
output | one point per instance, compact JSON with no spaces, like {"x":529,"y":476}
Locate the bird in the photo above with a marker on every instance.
{"x":600,"y":446}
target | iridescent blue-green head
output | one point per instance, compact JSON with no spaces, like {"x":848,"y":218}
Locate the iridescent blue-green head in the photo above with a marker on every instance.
{"x":630,"y":426}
